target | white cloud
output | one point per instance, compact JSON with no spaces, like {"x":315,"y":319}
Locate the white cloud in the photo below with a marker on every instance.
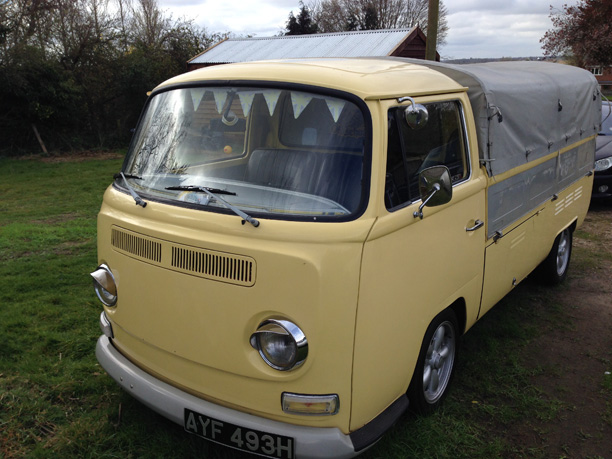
{"x":477,"y":28}
{"x":242,"y":17}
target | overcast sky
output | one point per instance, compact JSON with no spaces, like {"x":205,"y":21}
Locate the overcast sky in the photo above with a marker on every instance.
{"x":477,"y":28}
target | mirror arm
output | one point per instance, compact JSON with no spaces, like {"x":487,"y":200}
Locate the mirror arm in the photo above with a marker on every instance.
{"x":404,"y":99}
{"x":419,"y":213}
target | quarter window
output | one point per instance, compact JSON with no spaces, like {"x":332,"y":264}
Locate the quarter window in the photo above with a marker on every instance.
{"x":441,"y":141}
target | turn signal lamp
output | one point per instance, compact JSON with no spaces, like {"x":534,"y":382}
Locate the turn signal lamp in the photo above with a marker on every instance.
{"x":314,"y":405}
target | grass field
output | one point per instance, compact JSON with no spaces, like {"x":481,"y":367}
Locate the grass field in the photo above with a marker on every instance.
{"x":56,"y":401}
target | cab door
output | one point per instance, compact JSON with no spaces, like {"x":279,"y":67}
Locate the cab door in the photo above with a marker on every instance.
{"x":413,"y":268}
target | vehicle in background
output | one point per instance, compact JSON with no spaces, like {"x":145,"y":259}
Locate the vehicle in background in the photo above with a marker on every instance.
{"x":602,"y":185}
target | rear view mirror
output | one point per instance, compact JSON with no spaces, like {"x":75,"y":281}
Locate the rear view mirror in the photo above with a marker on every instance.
{"x":435,"y":188}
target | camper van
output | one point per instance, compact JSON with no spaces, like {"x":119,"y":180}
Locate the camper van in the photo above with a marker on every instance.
{"x":292,"y":249}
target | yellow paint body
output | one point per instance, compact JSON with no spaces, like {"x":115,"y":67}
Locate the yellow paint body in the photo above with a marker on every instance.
{"x":363,"y":291}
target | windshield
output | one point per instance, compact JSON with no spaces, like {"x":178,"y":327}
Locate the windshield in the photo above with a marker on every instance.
{"x":271,"y":152}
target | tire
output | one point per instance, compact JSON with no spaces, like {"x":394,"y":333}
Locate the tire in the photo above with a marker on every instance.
{"x":436,"y":364}
{"x":554,"y":268}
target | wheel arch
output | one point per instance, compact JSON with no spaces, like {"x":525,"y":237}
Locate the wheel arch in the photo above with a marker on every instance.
{"x":460,"y":309}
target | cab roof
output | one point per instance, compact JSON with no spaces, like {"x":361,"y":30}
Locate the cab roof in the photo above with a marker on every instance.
{"x":367,"y":78}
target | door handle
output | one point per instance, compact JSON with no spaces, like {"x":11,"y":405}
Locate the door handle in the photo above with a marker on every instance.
{"x":477,"y":224}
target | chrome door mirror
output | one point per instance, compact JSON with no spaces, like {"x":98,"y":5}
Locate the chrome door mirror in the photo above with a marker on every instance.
{"x":435,"y":188}
{"x":416,"y":116}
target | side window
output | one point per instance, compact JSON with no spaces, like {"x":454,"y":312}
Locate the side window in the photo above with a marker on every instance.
{"x":441,"y":141}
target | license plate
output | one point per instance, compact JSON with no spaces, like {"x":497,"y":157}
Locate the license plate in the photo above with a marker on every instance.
{"x":242,"y":438}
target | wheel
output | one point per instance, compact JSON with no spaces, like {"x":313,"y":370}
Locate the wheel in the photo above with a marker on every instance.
{"x":553,"y":269}
{"x":436,"y":364}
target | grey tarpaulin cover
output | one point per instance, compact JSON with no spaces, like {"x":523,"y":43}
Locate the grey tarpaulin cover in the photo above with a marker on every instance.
{"x":525,"y":110}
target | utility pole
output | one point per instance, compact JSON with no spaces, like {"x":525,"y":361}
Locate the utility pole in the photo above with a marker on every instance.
{"x":433,"y":14}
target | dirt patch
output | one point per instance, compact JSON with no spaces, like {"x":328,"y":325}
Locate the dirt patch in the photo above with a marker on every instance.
{"x":575,"y":354}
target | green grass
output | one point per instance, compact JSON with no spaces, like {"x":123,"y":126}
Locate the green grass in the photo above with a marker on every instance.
{"x":56,"y":401}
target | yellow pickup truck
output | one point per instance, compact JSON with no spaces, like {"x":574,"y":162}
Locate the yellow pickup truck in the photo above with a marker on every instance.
{"x":292,"y":249}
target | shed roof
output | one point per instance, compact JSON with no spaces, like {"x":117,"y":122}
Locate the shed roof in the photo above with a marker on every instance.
{"x":367,"y":43}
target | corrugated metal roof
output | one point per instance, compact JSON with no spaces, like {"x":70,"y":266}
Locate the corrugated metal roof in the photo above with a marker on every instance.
{"x":368,"y":43}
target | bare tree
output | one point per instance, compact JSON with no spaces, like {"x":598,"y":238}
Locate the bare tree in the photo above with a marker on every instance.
{"x":344,"y":15}
{"x":79,"y":70}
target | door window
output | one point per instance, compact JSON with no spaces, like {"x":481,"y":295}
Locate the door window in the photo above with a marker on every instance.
{"x":440,"y":141}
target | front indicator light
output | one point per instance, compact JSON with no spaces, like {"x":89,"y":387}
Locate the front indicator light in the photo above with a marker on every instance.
{"x":105,"y":285}
{"x":280,"y":343}
{"x":310,"y":405}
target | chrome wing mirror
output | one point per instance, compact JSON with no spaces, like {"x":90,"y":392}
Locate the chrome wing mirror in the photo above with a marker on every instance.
{"x":416,"y":115}
{"x":435,"y":188}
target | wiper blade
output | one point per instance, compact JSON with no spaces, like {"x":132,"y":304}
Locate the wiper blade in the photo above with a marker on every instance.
{"x":138,"y":199}
{"x":200,"y":188}
{"x":122,"y":175}
{"x":213,"y":193}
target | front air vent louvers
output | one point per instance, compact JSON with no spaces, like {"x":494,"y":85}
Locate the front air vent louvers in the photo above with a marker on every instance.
{"x":141,"y":247}
{"x":209,"y":264}
{"x":214,"y":265}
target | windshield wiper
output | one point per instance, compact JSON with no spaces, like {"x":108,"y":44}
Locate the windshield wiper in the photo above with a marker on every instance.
{"x":122,"y":175}
{"x":213,"y":193}
{"x":138,"y":199}
{"x":200,"y":188}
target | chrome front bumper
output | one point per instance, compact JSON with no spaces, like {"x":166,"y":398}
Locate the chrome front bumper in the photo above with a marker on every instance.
{"x":170,"y":402}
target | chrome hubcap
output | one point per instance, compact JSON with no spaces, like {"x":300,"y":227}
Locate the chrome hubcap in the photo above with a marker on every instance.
{"x":439,"y":362}
{"x":563,"y":252}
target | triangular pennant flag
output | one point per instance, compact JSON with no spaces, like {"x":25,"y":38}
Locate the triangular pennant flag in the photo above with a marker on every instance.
{"x":196,"y":97}
{"x":246,"y":101}
{"x":220,"y":98}
{"x":335,"y":107}
{"x":271,"y":96}
{"x":300,"y":101}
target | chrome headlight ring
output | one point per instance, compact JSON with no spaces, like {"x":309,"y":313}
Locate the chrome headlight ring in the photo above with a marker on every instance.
{"x":280,"y":343}
{"x":105,"y":285}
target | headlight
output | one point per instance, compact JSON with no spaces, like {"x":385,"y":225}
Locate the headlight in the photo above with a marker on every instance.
{"x":603,"y":164}
{"x":104,"y":285}
{"x":280,"y":343}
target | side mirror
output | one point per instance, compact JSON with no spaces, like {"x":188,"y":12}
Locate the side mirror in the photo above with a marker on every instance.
{"x":435,"y":188}
{"x":416,"y":116}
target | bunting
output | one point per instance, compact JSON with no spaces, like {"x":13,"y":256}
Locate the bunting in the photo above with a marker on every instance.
{"x":196,"y":97}
{"x":300,"y":101}
{"x":335,"y":107}
{"x":272,"y":96}
{"x":220,"y":98}
{"x":246,"y":100}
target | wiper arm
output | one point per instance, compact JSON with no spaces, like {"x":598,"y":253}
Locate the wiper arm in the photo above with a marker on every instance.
{"x":212,"y":192}
{"x":138,"y":199}
{"x":122,"y":175}
{"x":200,"y":188}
